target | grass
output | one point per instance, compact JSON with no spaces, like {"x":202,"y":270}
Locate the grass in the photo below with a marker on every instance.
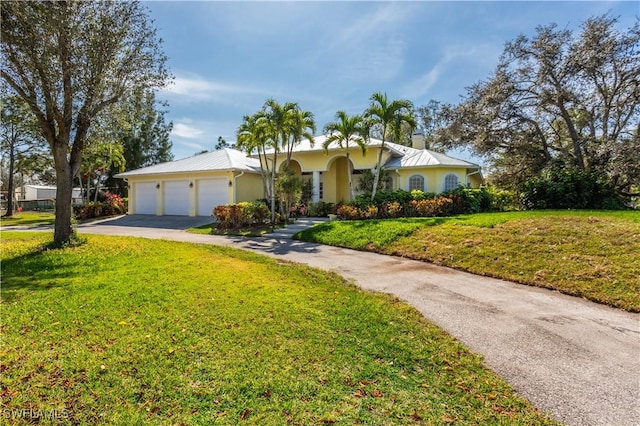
{"x":28,"y":219}
{"x":213,"y":335}
{"x":590,"y":254}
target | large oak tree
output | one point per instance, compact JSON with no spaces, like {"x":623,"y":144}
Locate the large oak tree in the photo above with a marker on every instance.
{"x":70,"y":61}
{"x":558,"y":99}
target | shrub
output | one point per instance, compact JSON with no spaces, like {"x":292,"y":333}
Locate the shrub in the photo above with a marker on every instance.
{"x":469,"y":200}
{"x":394,"y":209}
{"x":370,"y":213}
{"x":417,"y":194}
{"x":502,"y":199}
{"x":439,"y":206}
{"x":235,"y":216}
{"x":113,"y":205}
{"x":319,"y":209}
{"x":566,"y":188}
{"x":386,"y":196}
{"x":349,"y":212}
{"x":382,"y":198}
{"x":256,"y":211}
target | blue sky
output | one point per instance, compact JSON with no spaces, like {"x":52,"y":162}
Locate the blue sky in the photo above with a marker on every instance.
{"x":229,"y":57}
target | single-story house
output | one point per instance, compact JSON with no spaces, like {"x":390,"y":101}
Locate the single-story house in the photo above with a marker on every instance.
{"x":410,"y":167}
{"x":194,"y":186}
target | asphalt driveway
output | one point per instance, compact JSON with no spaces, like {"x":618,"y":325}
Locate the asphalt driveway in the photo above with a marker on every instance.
{"x":576,"y":359}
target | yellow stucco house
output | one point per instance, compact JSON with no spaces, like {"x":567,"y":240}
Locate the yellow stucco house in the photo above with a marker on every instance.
{"x":194,"y":186}
{"x":410,"y":167}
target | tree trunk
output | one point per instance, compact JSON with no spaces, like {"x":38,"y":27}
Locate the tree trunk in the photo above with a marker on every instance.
{"x":573,"y":134}
{"x":64,"y":186}
{"x":11,"y":191}
{"x":273,"y":188}
{"x":95,"y":197}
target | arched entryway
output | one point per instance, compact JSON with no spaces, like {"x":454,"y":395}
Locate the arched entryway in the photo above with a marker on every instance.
{"x":336,"y":180}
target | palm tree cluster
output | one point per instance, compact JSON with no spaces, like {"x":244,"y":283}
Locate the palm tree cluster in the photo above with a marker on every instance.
{"x":383,"y":117}
{"x":277,"y":127}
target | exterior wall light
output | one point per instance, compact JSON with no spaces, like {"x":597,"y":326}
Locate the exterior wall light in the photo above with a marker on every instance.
{"x":230,"y":183}
{"x":157,"y":186}
{"x":190,"y":184}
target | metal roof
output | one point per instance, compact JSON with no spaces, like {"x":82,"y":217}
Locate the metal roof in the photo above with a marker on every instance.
{"x":410,"y":157}
{"x":401,"y":156}
{"x":220,"y":160}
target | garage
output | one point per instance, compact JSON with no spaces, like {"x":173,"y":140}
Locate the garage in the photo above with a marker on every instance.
{"x":145,"y":198}
{"x":176,"y":197}
{"x":211,"y":193}
{"x":193,"y":186}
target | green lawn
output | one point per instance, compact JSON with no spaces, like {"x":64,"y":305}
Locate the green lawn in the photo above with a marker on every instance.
{"x":28,"y":219}
{"x":590,"y":254}
{"x":133,"y":331}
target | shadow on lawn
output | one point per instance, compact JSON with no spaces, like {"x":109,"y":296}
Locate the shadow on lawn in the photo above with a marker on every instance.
{"x":33,"y":272}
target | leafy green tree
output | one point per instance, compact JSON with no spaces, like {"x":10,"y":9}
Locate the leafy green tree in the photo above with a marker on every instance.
{"x":289,"y":190}
{"x":19,"y":140}
{"x":101,"y":156}
{"x":222,"y":144}
{"x":558,"y":99}
{"x":368,"y":177}
{"x":138,"y":124}
{"x":385,"y":115}
{"x":344,"y":130}
{"x":69,"y":61}
{"x":430,"y":122}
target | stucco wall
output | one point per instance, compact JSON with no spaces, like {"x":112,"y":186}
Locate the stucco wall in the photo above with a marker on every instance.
{"x":249,"y":187}
{"x":434,"y":177}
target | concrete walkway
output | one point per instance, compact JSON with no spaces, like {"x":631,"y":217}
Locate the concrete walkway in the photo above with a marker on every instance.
{"x":578,"y":360}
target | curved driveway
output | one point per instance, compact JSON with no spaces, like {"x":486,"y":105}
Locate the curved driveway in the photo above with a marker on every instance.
{"x":578,"y":360}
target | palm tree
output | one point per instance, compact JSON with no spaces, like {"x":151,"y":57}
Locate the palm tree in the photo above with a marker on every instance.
{"x":384,"y":115}
{"x":252,"y":136}
{"x":278,"y":120}
{"x":303,"y":126}
{"x":342,"y":131}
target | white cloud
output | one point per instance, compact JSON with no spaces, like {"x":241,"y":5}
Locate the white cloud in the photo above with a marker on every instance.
{"x":371,"y":47}
{"x":191,"y":87}
{"x":187,"y":131}
{"x":454,"y":56}
{"x":192,"y":146}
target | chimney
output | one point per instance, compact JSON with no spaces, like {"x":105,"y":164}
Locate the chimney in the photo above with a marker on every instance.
{"x":417,"y":140}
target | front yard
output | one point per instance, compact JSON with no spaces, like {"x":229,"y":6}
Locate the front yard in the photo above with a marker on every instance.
{"x":133,"y":331}
{"x":28,"y":219}
{"x":591,"y":254}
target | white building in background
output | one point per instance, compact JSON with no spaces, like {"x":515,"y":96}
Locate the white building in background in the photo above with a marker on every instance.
{"x":41,"y":192}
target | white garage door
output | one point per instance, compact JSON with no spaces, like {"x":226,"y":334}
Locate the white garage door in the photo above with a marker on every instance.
{"x":145,"y":202}
{"x":176,"y":197}
{"x":211,"y":193}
